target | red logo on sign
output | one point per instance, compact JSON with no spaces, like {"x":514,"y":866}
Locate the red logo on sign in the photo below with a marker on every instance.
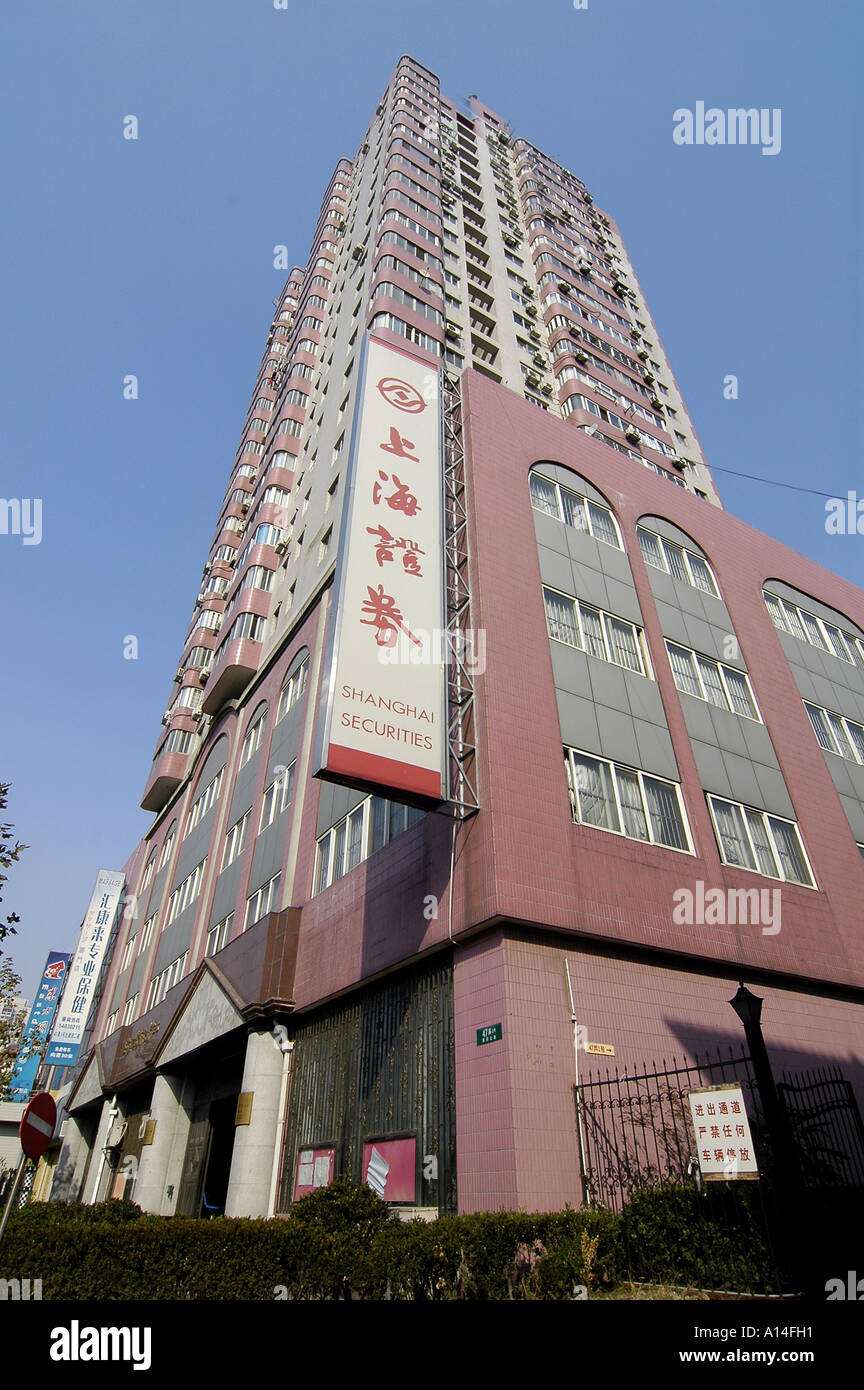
{"x":53,"y":972}
{"x":401,"y":394}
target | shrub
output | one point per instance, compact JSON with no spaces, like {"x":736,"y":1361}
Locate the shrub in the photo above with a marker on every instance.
{"x":343,"y":1242}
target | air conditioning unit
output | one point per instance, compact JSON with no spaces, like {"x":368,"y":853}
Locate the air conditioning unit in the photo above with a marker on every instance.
{"x":204,"y":673}
{"x":531,"y":310}
{"x":643,"y":353}
{"x":282,"y":548}
{"x":546,"y":389}
{"x":532,"y":379}
{"x":539,"y":359}
{"x":633,"y":435}
{"x":196,"y":715}
{"x":534,"y":335}
{"x":357,"y":253}
{"x":452,"y":330}
{"x":581,"y":357}
{"x":649,"y":378}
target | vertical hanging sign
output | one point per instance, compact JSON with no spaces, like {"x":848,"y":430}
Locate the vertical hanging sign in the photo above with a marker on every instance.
{"x":36,"y":1030}
{"x":68,"y":1030}
{"x":384,"y":720}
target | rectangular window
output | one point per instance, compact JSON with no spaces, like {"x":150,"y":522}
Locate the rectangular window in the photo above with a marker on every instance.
{"x":218,"y":936}
{"x":759,"y":841}
{"x":293,"y":689}
{"x":263,"y":901}
{"x":204,"y":802}
{"x":710,"y":680}
{"x":837,"y":734}
{"x":147,"y":932}
{"x":683,"y":565}
{"x":369,"y":827}
{"x":600,"y":634}
{"x":571,"y":507}
{"x":235,"y":840}
{"x":627,"y":802}
{"x":277,"y":797}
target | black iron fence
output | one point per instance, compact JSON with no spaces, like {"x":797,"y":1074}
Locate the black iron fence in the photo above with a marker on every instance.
{"x":771,"y":1236}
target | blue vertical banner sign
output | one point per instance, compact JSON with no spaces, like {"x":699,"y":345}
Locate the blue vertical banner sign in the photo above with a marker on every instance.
{"x":37,"y":1026}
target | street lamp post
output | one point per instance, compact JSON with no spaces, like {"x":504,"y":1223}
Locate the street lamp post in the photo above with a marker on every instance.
{"x":786,"y":1174}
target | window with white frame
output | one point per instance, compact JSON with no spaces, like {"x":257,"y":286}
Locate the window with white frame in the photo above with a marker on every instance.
{"x":235,"y":840}
{"x":836,"y":733}
{"x":710,"y":680}
{"x":185,"y":893}
{"x":128,"y":951}
{"x":167,"y":979}
{"x":807,"y":627}
{"x":147,"y":932}
{"x":204,"y":802}
{"x":111,"y":1023}
{"x":626,"y":801}
{"x":599,"y":634}
{"x":218,"y":935}
{"x":253,"y":737}
{"x":129,"y":1010}
{"x":265,"y":900}
{"x":684,"y":565}
{"x":574,"y":510}
{"x":293,"y":688}
{"x":370,"y":826}
{"x":148,"y":874}
{"x":765,"y":844}
{"x":277,"y":797}
{"x":167,"y":844}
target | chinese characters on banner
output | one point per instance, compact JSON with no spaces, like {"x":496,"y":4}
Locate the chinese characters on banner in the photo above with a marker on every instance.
{"x":385,"y":724}
{"x":721,"y":1129}
{"x":36,"y":1029}
{"x":84,"y":972}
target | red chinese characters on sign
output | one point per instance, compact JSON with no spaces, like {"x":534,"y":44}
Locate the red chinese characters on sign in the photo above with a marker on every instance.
{"x":387,"y":544}
{"x":385,"y":617}
{"x":381,"y":610}
{"x":399,"y":445}
{"x":399,"y":501}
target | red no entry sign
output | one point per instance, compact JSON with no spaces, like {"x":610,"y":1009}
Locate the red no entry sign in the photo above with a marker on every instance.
{"x":37,"y":1125}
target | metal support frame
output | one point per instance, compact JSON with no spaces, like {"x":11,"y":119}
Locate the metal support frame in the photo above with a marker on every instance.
{"x":460,"y":639}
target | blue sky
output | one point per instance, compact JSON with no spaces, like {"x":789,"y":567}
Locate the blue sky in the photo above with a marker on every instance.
{"x":154,"y":257}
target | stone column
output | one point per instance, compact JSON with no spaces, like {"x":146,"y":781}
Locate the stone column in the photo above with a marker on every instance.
{"x":167,"y":1113}
{"x":252,"y":1160}
{"x":74,"y":1156}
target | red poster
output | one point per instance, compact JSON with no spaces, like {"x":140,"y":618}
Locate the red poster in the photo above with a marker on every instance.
{"x":390,"y":1168}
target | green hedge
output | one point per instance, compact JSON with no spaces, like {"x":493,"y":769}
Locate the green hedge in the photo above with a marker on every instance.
{"x":342,"y":1242}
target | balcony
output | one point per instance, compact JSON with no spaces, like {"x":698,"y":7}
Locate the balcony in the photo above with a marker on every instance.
{"x":232,"y":674}
{"x":166,"y":774}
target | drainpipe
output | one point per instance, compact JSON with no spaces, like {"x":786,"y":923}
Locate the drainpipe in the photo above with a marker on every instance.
{"x":586,"y":1194}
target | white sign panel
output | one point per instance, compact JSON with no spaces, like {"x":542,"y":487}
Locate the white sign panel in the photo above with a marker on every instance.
{"x":724,"y":1143}
{"x":385,"y":720}
{"x":84,"y":972}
